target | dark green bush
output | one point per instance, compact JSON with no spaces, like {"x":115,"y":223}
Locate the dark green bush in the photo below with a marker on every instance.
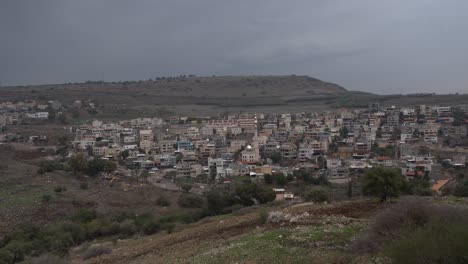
{"x":162,"y":201}
{"x":438,"y":242}
{"x":187,"y":200}
{"x":316,"y":195}
{"x":128,"y":227}
{"x":151,"y":227}
{"x":417,"y":231}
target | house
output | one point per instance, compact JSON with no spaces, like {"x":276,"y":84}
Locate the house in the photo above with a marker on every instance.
{"x":288,"y":151}
{"x":38,"y":115}
{"x":216,"y":166}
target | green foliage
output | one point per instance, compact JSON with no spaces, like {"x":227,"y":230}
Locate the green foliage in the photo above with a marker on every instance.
{"x":461,"y":190}
{"x":263,"y":217}
{"x":151,"y":227}
{"x":49,"y":166}
{"x":95,"y":166}
{"x":268,"y":178}
{"x":84,"y":216}
{"x":383,"y":183}
{"x":162,"y":201}
{"x":46,"y":198}
{"x":280,"y":180}
{"x":438,"y":242}
{"x":186,"y":187}
{"x":317,"y":195}
{"x":95,"y":251}
{"x":83,"y":185}
{"x":419,"y":187}
{"x":60,"y":189}
{"x":187,"y":200}
{"x":276,"y":157}
{"x":78,"y":163}
{"x":128,"y":227}
{"x":125,"y":154}
{"x":265,"y":195}
{"x":216,"y":201}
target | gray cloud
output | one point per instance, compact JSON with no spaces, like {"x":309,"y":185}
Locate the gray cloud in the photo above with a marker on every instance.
{"x":383,"y":46}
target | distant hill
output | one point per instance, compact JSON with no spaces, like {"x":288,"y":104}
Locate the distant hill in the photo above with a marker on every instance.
{"x":210,"y":95}
{"x":179,"y":92}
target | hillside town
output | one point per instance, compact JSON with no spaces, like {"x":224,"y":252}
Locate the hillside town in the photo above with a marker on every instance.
{"x":422,"y":141}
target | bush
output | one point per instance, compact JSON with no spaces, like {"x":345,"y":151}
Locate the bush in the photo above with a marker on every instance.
{"x":128,"y":227}
{"x":438,"y":242}
{"x":162,"y":201}
{"x":280,"y":180}
{"x":46,"y":198}
{"x":263,"y":217}
{"x":316,"y":195}
{"x":268,"y":178}
{"x":412,"y":218}
{"x":84,"y":216}
{"x":83,"y":185}
{"x":264,"y":195}
{"x":96,"y":251}
{"x":461,"y":190}
{"x":6,"y":256}
{"x":60,"y":189}
{"x":151,"y":227}
{"x":190,"y":201}
{"x":169,"y":227}
{"x":47,"y":259}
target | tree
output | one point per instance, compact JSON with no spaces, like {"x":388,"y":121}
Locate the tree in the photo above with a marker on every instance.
{"x":281,"y":180}
{"x":383,"y":183}
{"x":215,"y":202}
{"x":461,"y":190}
{"x":276,"y":157}
{"x":95,"y":166}
{"x":186,"y":187}
{"x":316,"y":195}
{"x":268,"y":178}
{"x":78,"y":163}
{"x":124,"y":154}
{"x":265,"y":195}
{"x":62,"y":118}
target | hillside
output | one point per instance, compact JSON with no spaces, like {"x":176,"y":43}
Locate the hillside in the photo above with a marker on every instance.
{"x":199,"y":96}
{"x":185,"y":94}
{"x":307,"y":231}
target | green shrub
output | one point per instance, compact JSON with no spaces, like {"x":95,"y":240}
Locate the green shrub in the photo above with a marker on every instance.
{"x":85,"y":215}
{"x":263,"y":217}
{"x":47,"y":259}
{"x":461,"y":190}
{"x":96,"y":251}
{"x":46,"y":198}
{"x":83,"y":185}
{"x":190,"y":201}
{"x":410,"y":222}
{"x":128,"y":227}
{"x":316,"y":195}
{"x":6,"y":256}
{"x":151,"y":227}
{"x":169,"y":227}
{"x":438,"y":242}
{"x":60,"y":189}
{"x":162,"y":201}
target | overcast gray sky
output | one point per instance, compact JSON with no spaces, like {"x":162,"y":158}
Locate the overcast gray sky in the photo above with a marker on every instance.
{"x":384,"y":46}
